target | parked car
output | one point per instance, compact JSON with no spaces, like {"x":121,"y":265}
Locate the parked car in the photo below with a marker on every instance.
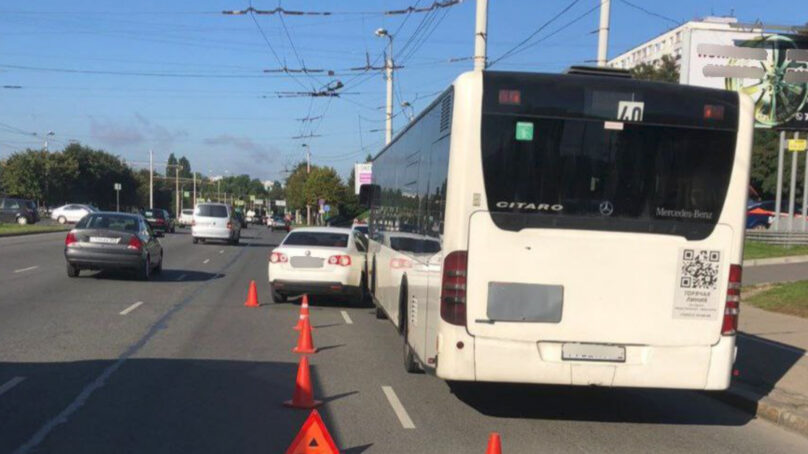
{"x":215,"y":221}
{"x":319,"y":261}
{"x":278,"y":223}
{"x":18,"y":210}
{"x":760,"y":214}
{"x":71,"y":213}
{"x":159,"y":220}
{"x":109,"y":240}
{"x":186,"y":217}
{"x":361,"y":227}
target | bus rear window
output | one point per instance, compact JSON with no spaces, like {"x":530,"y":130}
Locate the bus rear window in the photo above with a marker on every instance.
{"x":577,"y":173}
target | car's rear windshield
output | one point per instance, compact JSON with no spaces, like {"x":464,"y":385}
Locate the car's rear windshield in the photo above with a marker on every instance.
{"x":361,"y":228}
{"x":109,"y":222}
{"x":415,"y":245}
{"x":316,"y":239}
{"x":153,"y":213}
{"x":554,"y":161}
{"x":187,"y":211}
{"x":211,"y":211}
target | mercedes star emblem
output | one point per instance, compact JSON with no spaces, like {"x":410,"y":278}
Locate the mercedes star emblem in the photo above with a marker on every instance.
{"x":606,"y":208}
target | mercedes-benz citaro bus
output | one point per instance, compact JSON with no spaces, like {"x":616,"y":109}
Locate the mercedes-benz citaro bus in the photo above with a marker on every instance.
{"x":574,"y":229}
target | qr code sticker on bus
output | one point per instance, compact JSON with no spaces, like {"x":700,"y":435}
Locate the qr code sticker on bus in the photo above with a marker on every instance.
{"x":700,"y":269}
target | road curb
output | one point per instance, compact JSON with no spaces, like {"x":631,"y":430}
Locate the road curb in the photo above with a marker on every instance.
{"x":777,"y":260}
{"x":772,"y":407}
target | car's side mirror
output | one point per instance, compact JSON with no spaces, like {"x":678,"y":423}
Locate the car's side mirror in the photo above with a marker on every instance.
{"x":369,"y":195}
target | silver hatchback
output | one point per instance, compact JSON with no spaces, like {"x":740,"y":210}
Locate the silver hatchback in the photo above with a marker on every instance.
{"x":215,"y":221}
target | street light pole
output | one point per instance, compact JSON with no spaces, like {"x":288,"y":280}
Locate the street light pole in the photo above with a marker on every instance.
{"x":481,"y":36}
{"x":388,"y":69}
{"x":603,"y":32}
{"x":151,"y":179}
{"x":308,"y":171}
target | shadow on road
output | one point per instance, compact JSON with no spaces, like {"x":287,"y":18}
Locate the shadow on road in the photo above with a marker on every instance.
{"x":159,"y":405}
{"x":628,"y":405}
{"x":762,"y":363}
{"x":165,"y":276}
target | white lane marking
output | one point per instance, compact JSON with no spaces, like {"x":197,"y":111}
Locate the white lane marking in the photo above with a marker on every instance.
{"x":798,"y":351}
{"x":221,"y":251}
{"x":10,"y":384}
{"x":131,"y":308}
{"x":182,"y":276}
{"x":347,"y":318}
{"x":403,"y":417}
{"x":22,"y":270}
{"x":206,"y":261}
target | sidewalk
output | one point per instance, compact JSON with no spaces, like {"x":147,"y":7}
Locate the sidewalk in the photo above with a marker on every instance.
{"x":772,"y":365}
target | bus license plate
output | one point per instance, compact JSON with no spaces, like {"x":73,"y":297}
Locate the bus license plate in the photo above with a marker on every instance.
{"x":593,"y":352}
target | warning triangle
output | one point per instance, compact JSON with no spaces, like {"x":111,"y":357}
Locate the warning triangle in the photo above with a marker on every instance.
{"x":313,"y":438}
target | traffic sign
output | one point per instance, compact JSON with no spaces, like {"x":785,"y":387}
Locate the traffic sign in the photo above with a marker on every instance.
{"x":252,"y":198}
{"x":797,"y":144}
{"x":524,"y":131}
{"x":117,"y":186}
{"x":187,"y":193}
{"x":326,"y":208}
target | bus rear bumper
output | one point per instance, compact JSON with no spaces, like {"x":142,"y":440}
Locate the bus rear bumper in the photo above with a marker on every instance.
{"x":680,"y":367}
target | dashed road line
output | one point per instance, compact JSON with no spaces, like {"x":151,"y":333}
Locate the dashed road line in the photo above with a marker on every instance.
{"x":182,"y":276}
{"x":22,"y":270}
{"x":347,"y":318}
{"x":221,"y":251}
{"x":206,"y":261}
{"x":131,"y":308}
{"x":10,"y":384}
{"x":403,"y":417}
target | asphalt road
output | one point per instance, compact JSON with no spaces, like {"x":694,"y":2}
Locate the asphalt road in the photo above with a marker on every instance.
{"x":761,"y":274}
{"x":83,"y":368}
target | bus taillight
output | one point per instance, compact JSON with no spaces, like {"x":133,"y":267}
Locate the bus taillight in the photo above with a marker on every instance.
{"x":730,"y":325}
{"x":453,"y":288}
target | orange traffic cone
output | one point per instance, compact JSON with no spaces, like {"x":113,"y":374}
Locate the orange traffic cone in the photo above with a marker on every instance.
{"x":494,"y":444}
{"x":304,"y":312}
{"x":303,"y":396}
{"x":252,"y":296}
{"x":304,"y":343}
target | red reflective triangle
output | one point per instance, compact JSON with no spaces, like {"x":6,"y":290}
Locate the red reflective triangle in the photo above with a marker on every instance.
{"x":313,"y":438}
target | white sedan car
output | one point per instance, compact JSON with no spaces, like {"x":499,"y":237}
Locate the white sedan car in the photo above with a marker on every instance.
{"x":319,"y":261}
{"x":72,"y":213}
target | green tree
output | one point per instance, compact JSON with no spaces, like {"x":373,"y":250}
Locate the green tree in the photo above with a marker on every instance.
{"x":185,"y":171}
{"x":667,"y":70}
{"x":37,"y":174}
{"x":276,"y":191}
{"x":172,"y":161}
{"x":295,"y":184}
{"x":323,"y":183}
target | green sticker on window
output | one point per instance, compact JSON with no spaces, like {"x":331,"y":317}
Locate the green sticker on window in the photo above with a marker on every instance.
{"x":524,"y":131}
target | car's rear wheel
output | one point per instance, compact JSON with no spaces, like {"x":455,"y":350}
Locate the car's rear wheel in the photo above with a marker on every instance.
{"x":196,"y":240}
{"x":22,"y":220}
{"x":145,"y":269}
{"x":61,"y":220}
{"x":72,"y":270}
{"x":277,"y":297}
{"x":159,"y":268}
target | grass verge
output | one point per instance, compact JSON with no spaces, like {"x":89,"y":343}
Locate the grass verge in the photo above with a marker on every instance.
{"x":16,"y":229}
{"x":755,"y":250}
{"x":787,"y":298}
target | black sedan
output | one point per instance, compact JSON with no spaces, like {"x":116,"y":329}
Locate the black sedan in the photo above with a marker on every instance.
{"x":160,"y":220}
{"x":106,"y":240}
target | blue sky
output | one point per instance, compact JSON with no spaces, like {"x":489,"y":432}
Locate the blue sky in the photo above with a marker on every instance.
{"x":181,"y":77}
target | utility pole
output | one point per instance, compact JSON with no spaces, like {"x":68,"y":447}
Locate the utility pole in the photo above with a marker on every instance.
{"x":193,"y":201}
{"x":792,"y":192}
{"x":603,"y":32}
{"x":481,"y":36}
{"x":778,"y":199}
{"x":308,"y":171}
{"x":388,"y":70}
{"x":151,"y":179}
{"x":177,"y":189}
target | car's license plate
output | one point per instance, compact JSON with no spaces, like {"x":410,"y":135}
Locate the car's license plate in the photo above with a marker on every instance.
{"x":104,"y":240}
{"x":593,"y":352}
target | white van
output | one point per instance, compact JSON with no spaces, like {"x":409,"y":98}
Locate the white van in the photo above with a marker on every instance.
{"x":215,"y":221}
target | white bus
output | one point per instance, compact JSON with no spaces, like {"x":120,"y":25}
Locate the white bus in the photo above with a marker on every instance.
{"x":574,"y":229}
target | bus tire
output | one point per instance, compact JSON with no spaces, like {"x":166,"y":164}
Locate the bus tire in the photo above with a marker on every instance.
{"x":410,"y":363}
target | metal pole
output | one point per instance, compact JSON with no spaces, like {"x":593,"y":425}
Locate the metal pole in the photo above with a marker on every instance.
{"x":388,"y":127}
{"x":151,"y":179}
{"x":481,"y":36}
{"x":792,"y":189}
{"x":193,"y":202}
{"x":778,"y":200}
{"x":603,"y":32}
{"x":177,"y":189}
{"x":219,"y":190}
{"x":118,"y":200}
{"x":308,"y":171}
